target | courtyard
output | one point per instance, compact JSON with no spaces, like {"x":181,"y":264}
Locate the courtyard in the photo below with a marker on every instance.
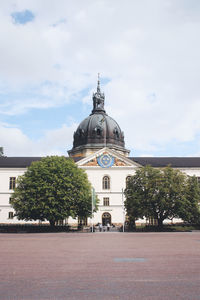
{"x":106,"y":265}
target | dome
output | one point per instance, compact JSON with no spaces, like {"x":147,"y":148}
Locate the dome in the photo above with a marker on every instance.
{"x":97,"y":131}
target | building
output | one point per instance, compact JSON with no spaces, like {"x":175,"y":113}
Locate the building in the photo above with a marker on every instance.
{"x":99,"y":149}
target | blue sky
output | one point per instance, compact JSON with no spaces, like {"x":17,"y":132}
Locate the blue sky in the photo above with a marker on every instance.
{"x":22,"y":17}
{"x":147,"y":54}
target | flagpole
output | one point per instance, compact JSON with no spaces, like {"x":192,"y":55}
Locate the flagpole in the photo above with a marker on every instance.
{"x":93,"y":206}
{"x":123,"y":209}
{"x":92,"y":210}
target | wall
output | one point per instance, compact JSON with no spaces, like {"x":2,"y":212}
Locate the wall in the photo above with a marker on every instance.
{"x":95,"y":175}
{"x":117,"y":177}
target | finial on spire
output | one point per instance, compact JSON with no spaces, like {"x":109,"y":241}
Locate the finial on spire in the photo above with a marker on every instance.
{"x":98,"y":99}
{"x":98,"y":83}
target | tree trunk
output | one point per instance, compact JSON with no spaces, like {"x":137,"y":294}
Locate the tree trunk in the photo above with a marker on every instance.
{"x":52,"y":223}
{"x":80,"y":223}
{"x":160,"y":222}
{"x":132,"y":225}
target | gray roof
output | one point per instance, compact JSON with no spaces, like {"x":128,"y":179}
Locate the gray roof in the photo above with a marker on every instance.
{"x":175,"y":162}
{"x":21,"y":162}
{"x":17,"y":162}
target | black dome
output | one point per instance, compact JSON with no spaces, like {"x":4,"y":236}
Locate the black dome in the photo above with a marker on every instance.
{"x":98,"y":130}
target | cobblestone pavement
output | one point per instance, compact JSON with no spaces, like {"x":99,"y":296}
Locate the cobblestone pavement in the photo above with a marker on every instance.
{"x":100,"y":266}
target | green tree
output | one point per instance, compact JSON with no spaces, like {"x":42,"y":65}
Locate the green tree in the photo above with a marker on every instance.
{"x":133,"y":201}
{"x":157,"y":193}
{"x":1,"y":152}
{"x":52,"y":189}
{"x":190,"y":210}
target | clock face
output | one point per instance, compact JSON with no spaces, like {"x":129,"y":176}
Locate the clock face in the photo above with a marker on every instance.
{"x":105,"y":161}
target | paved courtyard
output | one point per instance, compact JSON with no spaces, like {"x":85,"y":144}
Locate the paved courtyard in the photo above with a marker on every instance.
{"x":100,"y":266}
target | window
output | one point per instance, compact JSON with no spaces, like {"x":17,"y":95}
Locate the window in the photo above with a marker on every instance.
{"x":106,"y":201}
{"x":153,"y":221}
{"x":127,"y":179}
{"x":10,"y":215}
{"x":10,"y":199}
{"x":106,"y":183}
{"x":59,"y":223}
{"x":106,"y":218}
{"x":12,"y":183}
{"x":198,"y":179}
{"x":98,"y":132}
{"x":116,"y":132}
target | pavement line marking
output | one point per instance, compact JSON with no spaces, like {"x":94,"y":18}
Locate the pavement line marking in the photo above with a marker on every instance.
{"x":130,"y":259}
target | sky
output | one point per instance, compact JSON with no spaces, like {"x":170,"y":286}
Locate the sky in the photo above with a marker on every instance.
{"x":146,"y":51}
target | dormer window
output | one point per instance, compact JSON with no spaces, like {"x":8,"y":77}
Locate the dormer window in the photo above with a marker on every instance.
{"x":98,"y":131}
{"x":81,"y":132}
{"x":116,"y":132}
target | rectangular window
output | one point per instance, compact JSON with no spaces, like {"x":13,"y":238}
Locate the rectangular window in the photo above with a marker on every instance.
{"x":12,"y":183}
{"x":153,"y":221}
{"x":10,"y":215}
{"x":10,"y":199}
{"x":106,"y":201}
{"x":198,"y":179}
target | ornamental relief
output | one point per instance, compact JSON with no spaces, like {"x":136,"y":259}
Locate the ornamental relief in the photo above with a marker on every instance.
{"x":94,"y":163}
{"x":119,"y":162}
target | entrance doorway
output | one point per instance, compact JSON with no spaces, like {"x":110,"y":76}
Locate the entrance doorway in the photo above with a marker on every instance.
{"x":106,"y":218}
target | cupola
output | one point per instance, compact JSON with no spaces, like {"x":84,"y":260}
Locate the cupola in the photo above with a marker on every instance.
{"x":97,"y":131}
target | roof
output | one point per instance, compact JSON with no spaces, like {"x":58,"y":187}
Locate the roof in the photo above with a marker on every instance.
{"x":175,"y":162}
{"x":97,"y":129}
{"x":21,"y":162}
{"x":17,"y":162}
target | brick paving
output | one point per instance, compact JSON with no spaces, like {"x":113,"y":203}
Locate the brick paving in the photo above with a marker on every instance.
{"x":100,"y":266}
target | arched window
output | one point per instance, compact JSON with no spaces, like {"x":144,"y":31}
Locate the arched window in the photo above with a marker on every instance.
{"x":106,"y":218}
{"x":127,"y":179}
{"x":106,"y":183}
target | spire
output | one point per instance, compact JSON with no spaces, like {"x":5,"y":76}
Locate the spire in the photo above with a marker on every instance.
{"x":98,"y":84}
{"x":98,"y":99}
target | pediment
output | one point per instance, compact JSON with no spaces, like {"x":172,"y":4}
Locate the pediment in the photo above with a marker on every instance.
{"x":106,"y":158}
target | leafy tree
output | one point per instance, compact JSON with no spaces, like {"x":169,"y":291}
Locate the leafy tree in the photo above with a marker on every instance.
{"x":157,"y":193}
{"x":52,"y":189}
{"x":1,"y":152}
{"x":190,"y":210}
{"x":82,"y":211}
{"x":133,"y":200}
{"x":171,"y":194}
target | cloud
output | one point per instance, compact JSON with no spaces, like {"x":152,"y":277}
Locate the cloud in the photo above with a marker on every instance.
{"x":22,"y":17}
{"x":147,"y":50}
{"x":53,"y":142}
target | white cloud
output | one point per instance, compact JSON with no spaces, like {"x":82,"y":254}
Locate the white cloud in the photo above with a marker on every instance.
{"x":145,"y":47}
{"x":53,"y":142}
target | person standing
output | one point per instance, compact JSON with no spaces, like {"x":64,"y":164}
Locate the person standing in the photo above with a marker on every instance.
{"x":100,"y":227}
{"x":108,"y":227}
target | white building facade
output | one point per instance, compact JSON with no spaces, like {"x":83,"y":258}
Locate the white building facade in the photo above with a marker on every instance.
{"x":99,"y":149}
